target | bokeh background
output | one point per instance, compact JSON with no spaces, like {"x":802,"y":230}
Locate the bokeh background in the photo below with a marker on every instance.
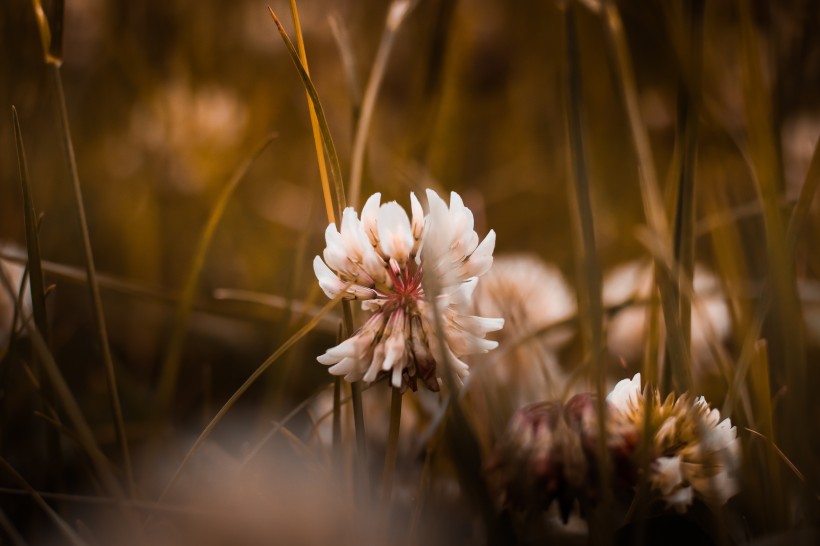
{"x":167,"y":97}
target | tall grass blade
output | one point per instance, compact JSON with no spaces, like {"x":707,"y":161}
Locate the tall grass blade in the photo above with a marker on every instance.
{"x":327,"y":140}
{"x":338,"y":183}
{"x":588,"y":271}
{"x":314,"y":121}
{"x":650,"y":194}
{"x":169,"y":374}
{"x":35,"y":267}
{"x":786,"y":341}
{"x":84,"y":434}
{"x":686,"y":140}
{"x":91,"y":270}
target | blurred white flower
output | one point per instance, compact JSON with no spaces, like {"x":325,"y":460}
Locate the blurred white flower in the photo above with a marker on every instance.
{"x":529,"y":295}
{"x":14,"y":273}
{"x":626,"y":331}
{"x":381,"y":260}
{"x":696,"y":453}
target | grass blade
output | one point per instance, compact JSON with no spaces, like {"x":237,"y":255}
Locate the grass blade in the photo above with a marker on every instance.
{"x":314,"y":121}
{"x":84,"y":434}
{"x":686,"y":140}
{"x":658,"y":226}
{"x":336,"y":176}
{"x":171,"y":364}
{"x":91,"y":271}
{"x":327,"y":140}
{"x":35,"y":267}
{"x":245,"y":386}
{"x":588,"y":271}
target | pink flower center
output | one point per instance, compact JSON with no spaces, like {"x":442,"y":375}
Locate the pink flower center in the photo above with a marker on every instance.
{"x":406,"y":289}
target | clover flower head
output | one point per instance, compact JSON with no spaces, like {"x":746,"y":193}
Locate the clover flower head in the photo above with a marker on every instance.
{"x":382,"y":259}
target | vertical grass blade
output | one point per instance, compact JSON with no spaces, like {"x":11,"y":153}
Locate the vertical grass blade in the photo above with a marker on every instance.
{"x":327,"y":140}
{"x":785,"y":341}
{"x":658,"y":236}
{"x":588,"y":271}
{"x":169,"y":374}
{"x":69,"y":404}
{"x":338,"y":183}
{"x":35,"y":266}
{"x":314,"y":122}
{"x":91,"y":271}
{"x":686,"y":139}
{"x":396,"y":14}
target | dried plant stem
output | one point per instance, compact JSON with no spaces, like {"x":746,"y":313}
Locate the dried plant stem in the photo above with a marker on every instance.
{"x":658,"y":237}
{"x":91,"y":271}
{"x":392,"y":445}
{"x":687,"y":137}
{"x":395,"y":16}
{"x":171,"y":364}
{"x":245,"y":386}
{"x":591,"y":310}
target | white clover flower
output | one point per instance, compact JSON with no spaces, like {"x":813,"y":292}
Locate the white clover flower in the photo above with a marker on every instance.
{"x":696,"y":453}
{"x":381,"y":260}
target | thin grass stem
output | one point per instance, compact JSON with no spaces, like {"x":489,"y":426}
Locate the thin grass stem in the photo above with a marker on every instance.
{"x":244,"y":387}
{"x":588,"y":271}
{"x":91,"y":270}
{"x":169,"y":374}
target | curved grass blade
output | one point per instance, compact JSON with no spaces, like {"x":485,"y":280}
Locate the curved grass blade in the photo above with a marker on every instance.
{"x":314,"y":122}
{"x":91,"y":270}
{"x":245,"y":386}
{"x":170,"y":367}
{"x":327,"y":140}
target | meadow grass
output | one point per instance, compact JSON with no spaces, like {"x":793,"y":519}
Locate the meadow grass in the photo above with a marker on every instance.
{"x":441,"y":489}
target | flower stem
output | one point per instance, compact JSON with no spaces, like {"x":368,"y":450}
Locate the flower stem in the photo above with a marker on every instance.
{"x":392,"y":444}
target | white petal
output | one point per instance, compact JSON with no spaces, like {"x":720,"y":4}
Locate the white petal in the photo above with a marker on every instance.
{"x":330,"y":284}
{"x":626,"y":394}
{"x":369,"y":219}
{"x":481,"y":259}
{"x":395,"y":233}
{"x":666,"y":474}
{"x":417,"y":222}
